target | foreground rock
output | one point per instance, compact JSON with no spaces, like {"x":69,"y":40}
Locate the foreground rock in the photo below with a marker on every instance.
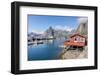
{"x":74,"y":54}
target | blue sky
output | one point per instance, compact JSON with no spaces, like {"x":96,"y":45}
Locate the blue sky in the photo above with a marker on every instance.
{"x":39,"y":23}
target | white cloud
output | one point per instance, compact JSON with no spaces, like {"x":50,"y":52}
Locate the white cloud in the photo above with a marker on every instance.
{"x":38,"y":31}
{"x":82,"y":20}
{"x":60,"y":27}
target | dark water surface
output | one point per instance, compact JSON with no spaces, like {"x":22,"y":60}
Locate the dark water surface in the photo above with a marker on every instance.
{"x":49,"y":50}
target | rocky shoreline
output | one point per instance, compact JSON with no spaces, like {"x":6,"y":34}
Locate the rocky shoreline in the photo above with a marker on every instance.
{"x":74,"y":54}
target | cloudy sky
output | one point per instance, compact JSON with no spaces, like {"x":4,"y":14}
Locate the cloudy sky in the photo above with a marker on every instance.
{"x":39,"y":23}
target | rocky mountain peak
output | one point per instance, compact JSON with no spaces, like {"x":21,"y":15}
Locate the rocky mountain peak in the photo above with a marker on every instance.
{"x":83,"y":28}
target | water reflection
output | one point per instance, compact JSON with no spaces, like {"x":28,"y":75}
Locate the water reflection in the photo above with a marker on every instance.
{"x":47,"y":51}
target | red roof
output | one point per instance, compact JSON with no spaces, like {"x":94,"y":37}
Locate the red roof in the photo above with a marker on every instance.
{"x":78,"y":35}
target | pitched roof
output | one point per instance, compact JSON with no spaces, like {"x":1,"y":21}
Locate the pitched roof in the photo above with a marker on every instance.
{"x":78,"y":35}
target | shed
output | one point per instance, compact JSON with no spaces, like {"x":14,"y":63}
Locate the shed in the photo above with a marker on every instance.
{"x":76,"y":40}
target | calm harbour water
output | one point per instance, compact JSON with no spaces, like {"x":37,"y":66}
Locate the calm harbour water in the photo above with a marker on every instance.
{"x":49,"y":50}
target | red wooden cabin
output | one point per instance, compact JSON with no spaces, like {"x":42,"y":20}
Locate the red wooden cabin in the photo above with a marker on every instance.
{"x":76,"y":40}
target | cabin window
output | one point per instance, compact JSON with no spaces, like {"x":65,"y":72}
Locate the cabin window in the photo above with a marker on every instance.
{"x":82,"y":39}
{"x":75,"y":39}
{"x":78,"y":38}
